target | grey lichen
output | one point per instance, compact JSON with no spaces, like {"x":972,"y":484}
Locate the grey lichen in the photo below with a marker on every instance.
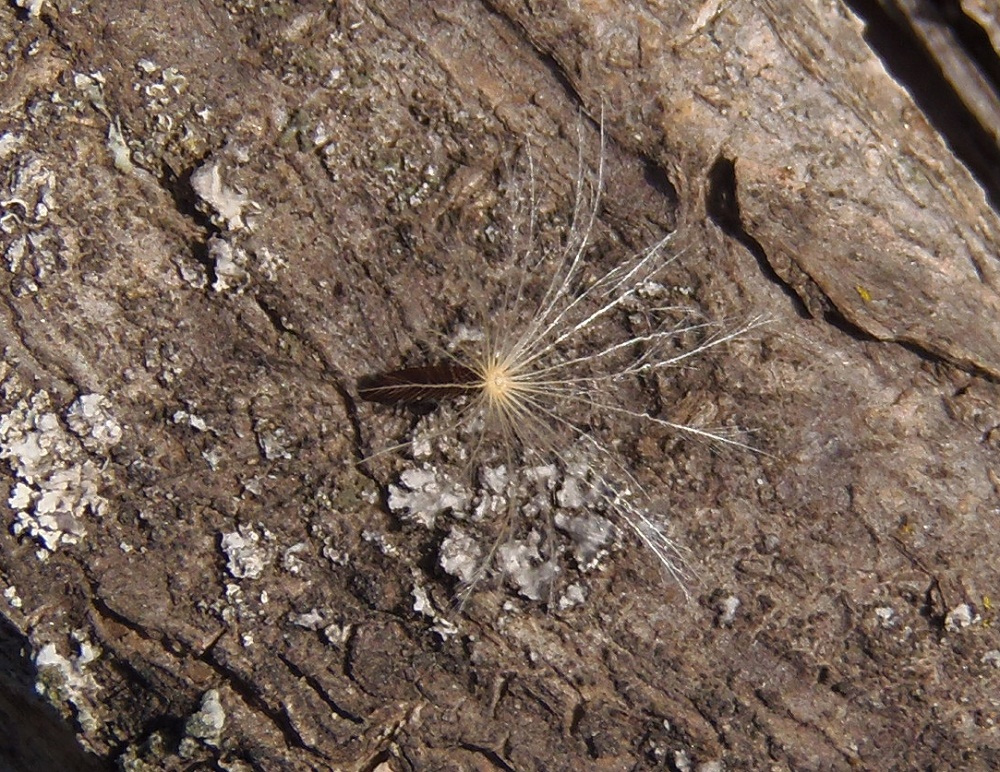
{"x":206,"y":725}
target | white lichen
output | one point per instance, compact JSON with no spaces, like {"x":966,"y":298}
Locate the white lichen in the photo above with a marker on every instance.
{"x":886,"y":616}
{"x":121,"y":156}
{"x":10,"y":144}
{"x":727,"y":608}
{"x":30,"y":197}
{"x":381,"y":541}
{"x":67,"y":681}
{"x":246,"y":556}
{"x":522,"y":564}
{"x":11,"y":596}
{"x":589,"y":536}
{"x":230,"y":265}
{"x":960,"y":617}
{"x":423,"y":605}
{"x":574,"y":595}
{"x":460,"y":555}
{"x":91,"y":419}
{"x":33,"y":7}
{"x":184,"y":418}
{"x":423,"y":494}
{"x":224,"y":204}
{"x":308,"y":620}
{"x":291,"y":560}
{"x":58,"y":483}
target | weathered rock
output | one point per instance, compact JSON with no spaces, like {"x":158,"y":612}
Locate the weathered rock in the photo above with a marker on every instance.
{"x":215,"y":219}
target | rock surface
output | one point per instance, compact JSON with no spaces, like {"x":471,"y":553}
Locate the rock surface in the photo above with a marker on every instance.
{"x":217,"y":216}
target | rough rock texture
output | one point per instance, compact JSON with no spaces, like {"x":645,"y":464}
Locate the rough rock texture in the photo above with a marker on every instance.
{"x":215,"y":217}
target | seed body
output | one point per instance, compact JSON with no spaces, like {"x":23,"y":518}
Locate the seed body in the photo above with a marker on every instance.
{"x":419,"y":385}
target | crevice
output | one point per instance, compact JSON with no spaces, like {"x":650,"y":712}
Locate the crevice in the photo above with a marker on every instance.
{"x":103,"y":609}
{"x":314,"y":684}
{"x":248,"y":692}
{"x":915,"y":68}
{"x":659,"y":181}
{"x":41,"y":737}
{"x":337,"y":379}
{"x":178,"y":187}
{"x":845,"y":326}
{"x":350,"y":405}
{"x":490,"y":755}
{"x":162,"y":705}
{"x":974,"y":39}
{"x":348,"y":669}
{"x":935,"y":605}
{"x":545,"y":58}
{"x":376,"y":762}
{"x":576,"y":717}
{"x":723,"y":207}
{"x":167,"y":727}
{"x":61,"y":382}
{"x":273,"y":316}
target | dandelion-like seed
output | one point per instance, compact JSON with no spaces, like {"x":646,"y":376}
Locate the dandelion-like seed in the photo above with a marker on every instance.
{"x":552,"y":361}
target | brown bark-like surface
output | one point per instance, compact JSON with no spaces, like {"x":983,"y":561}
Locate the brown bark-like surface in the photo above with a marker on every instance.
{"x":216,"y":217}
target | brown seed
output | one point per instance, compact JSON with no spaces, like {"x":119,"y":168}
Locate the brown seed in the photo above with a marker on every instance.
{"x":419,"y":385}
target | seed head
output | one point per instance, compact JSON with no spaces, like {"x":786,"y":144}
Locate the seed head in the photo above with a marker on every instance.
{"x":552,"y":362}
